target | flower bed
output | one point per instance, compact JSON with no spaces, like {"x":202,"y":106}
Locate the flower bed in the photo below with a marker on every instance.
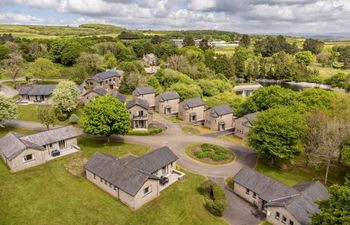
{"x":209,"y":153}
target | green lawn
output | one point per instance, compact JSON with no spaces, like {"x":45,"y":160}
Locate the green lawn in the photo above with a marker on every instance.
{"x":190,"y":153}
{"x":49,"y":194}
{"x":196,"y":130}
{"x":296,"y":174}
{"x":5,"y":130}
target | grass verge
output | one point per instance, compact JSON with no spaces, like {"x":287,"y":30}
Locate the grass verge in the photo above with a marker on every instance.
{"x":189,"y":151}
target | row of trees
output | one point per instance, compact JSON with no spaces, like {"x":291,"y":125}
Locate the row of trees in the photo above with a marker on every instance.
{"x":313,"y":121}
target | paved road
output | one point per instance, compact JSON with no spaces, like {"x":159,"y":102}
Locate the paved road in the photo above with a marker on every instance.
{"x":7,"y":91}
{"x":238,"y":211}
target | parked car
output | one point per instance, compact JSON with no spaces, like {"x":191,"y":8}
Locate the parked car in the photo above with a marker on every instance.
{"x":163,"y":180}
{"x":55,"y":153}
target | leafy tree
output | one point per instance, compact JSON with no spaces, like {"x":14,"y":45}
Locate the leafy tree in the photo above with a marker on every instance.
{"x":76,"y":73}
{"x":156,"y":39}
{"x":123,"y":53}
{"x":245,"y":41}
{"x":340,"y":80}
{"x":43,"y":68}
{"x":165,"y":50}
{"x":271,"y":45}
{"x":131,"y":81}
{"x":224,"y":65}
{"x":65,"y":98}
{"x":36,"y":50}
{"x":265,"y":98}
{"x":4,"y":52}
{"x":316,"y":98}
{"x":111,"y":60}
{"x":203,"y":44}
{"x":106,"y":116}
{"x":336,"y":208}
{"x":105,"y":47}
{"x":153,"y":82}
{"x":92,"y":63}
{"x":46,"y":115}
{"x":186,"y":91}
{"x":304,"y":57}
{"x":188,"y":41}
{"x":225,"y":98}
{"x":209,"y":88}
{"x":8,"y":109}
{"x":65,"y":51}
{"x":11,"y":65}
{"x":276,"y":134}
{"x":167,"y":77}
{"x":314,"y":46}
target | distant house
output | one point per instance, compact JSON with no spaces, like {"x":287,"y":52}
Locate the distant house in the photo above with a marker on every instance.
{"x":223,"y":44}
{"x":146,"y":93}
{"x":244,"y":124}
{"x":177,"y":42}
{"x":36,"y":93}
{"x":152,"y":70}
{"x":21,"y":152}
{"x":120,"y":97}
{"x":281,"y":204}
{"x":140,"y":114}
{"x":246,"y":90}
{"x":150,"y":59}
{"x":219,"y":118}
{"x":109,"y":80}
{"x":168,"y":103}
{"x":91,"y":95}
{"x":192,"y":110}
{"x":134,"y":180}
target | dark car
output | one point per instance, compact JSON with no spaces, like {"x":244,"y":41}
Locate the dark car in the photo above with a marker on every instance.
{"x":55,"y":153}
{"x":163,"y":180}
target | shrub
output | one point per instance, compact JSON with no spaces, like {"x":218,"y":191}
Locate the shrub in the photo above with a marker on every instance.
{"x":73,"y":119}
{"x":216,"y":208}
{"x":215,"y":197}
{"x":214,"y":152}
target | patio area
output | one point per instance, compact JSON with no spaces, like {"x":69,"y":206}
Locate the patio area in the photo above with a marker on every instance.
{"x":63,"y":152}
{"x":173,"y":177}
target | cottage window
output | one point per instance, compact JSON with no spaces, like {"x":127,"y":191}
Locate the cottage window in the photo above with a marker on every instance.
{"x":50,"y":145}
{"x":147,"y":190}
{"x":106,"y":182}
{"x":28,"y":158}
{"x":110,"y":185}
{"x":277,"y":217}
{"x":284,"y":219}
{"x":115,"y":188}
{"x":95,"y":176}
{"x":101,"y":180}
{"x":254,"y":195}
{"x":171,"y":164}
{"x":247,"y":191}
{"x":291,"y":222}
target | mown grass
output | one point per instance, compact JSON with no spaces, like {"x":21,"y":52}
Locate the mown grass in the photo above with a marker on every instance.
{"x":196,"y":130}
{"x":50,"y":195}
{"x":5,"y":130}
{"x":190,"y":153}
{"x":233,"y":139}
{"x":300,"y":173}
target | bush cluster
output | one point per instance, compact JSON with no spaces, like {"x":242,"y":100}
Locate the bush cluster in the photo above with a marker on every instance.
{"x":215,"y":201}
{"x":214,"y":152}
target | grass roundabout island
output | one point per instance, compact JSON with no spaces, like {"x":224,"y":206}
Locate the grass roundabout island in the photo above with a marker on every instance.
{"x":210,"y":153}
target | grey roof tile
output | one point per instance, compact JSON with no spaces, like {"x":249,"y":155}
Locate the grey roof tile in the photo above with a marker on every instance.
{"x":221,"y":110}
{"x":155,"y":160}
{"x":168,"y":96}
{"x":193,"y":102}
{"x":120,"y":97}
{"x":99,"y":77}
{"x":143,"y":91}
{"x":138,"y":101}
{"x":41,"y":89}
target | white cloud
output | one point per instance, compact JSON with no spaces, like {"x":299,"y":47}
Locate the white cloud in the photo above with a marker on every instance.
{"x":19,"y":18}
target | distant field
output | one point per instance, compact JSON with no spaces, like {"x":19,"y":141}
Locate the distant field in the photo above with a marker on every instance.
{"x":49,"y":32}
{"x":225,"y":50}
{"x":327,"y":72}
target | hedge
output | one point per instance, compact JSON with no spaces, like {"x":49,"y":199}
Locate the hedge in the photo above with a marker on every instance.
{"x":215,"y":201}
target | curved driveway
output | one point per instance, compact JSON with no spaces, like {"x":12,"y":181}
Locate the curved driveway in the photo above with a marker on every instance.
{"x":174,"y":138}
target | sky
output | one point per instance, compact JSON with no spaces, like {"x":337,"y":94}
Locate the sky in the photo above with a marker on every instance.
{"x":244,"y":16}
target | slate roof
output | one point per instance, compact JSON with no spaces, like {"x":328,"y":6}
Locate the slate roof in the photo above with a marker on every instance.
{"x":193,"y":103}
{"x":130,"y":173}
{"x":155,"y":160}
{"x":99,"y":77}
{"x":221,"y":110}
{"x":250,"y":117}
{"x":168,"y":96}
{"x":14,"y":144}
{"x":99,"y":91}
{"x":40,"y":89}
{"x":138,"y":101}
{"x":267,"y":188}
{"x":114,"y":171}
{"x":143,"y":91}
{"x":52,"y":136}
{"x":299,"y":200}
{"x":120,"y":97}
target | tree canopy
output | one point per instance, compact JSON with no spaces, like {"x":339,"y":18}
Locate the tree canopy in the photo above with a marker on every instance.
{"x":8,"y":109}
